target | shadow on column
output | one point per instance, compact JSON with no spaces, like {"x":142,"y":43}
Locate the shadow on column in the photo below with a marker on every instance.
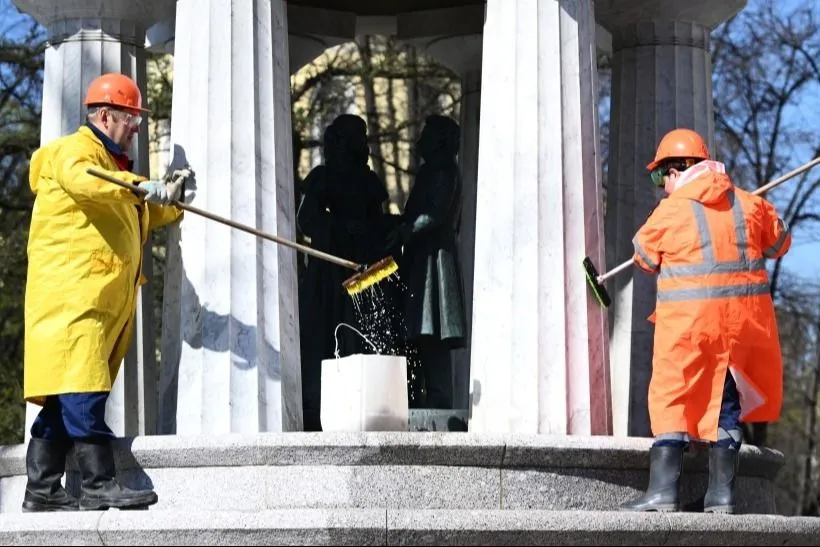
{"x":198,"y":326}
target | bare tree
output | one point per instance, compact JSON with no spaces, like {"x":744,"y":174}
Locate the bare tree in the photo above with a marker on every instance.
{"x":797,"y":435}
{"x":22,"y":43}
{"x":764,"y":77}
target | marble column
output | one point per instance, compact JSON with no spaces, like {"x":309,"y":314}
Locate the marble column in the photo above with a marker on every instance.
{"x":230,"y":359}
{"x":462,"y":54}
{"x":661,"y":79}
{"x":159,"y":38}
{"x":88,"y":38}
{"x":539,"y":344}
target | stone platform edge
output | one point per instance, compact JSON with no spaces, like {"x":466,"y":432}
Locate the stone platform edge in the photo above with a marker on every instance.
{"x":405,"y":527}
{"x":398,"y":448}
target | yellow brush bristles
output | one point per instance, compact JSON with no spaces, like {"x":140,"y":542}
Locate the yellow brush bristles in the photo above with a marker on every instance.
{"x":382,"y":269}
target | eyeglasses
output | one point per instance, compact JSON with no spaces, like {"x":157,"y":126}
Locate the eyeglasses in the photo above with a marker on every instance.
{"x":132,"y":120}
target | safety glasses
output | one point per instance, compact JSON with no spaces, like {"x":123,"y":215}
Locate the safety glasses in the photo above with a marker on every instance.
{"x":132,"y":120}
{"x":657,"y":175}
{"x":681,"y":165}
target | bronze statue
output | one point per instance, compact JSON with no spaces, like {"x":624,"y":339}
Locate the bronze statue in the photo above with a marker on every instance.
{"x":429,"y":266}
{"x":341,"y":213}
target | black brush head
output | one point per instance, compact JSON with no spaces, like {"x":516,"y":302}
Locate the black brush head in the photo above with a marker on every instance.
{"x":598,"y":290}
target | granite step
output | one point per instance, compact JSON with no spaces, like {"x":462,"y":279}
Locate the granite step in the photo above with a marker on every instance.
{"x":403,"y":527}
{"x":398,"y":471}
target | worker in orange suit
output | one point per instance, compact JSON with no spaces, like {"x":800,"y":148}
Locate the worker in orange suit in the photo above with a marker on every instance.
{"x":717,"y":359}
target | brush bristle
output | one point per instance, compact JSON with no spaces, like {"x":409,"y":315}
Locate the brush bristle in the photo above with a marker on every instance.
{"x":598,"y":290}
{"x":379,"y":271}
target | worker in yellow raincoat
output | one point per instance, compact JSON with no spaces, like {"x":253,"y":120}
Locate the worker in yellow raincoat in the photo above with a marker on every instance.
{"x":84,"y":271}
{"x":716,"y":359}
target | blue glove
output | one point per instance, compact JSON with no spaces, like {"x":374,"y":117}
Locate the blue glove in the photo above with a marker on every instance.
{"x":156,"y":192}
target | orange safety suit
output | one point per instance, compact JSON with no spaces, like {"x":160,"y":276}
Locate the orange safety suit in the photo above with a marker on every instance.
{"x":708,"y":242}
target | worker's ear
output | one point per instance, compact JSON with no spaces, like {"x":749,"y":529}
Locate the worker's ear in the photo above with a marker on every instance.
{"x":103,"y":116}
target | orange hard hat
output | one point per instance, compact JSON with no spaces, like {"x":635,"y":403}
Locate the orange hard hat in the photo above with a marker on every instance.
{"x":115,"y":90}
{"x":680,"y":143}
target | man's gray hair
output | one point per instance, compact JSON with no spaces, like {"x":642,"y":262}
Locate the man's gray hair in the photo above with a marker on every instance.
{"x":93,"y":110}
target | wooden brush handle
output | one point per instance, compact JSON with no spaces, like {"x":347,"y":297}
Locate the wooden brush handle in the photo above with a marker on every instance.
{"x":777,"y":182}
{"x":615,"y":270}
{"x":228,"y":222}
{"x":787,"y":176}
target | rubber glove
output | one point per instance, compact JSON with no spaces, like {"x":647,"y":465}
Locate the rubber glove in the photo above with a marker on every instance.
{"x":175,"y":183}
{"x":156,"y":192}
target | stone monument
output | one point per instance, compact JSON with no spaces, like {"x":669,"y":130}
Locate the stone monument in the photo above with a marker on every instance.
{"x":539,"y":463}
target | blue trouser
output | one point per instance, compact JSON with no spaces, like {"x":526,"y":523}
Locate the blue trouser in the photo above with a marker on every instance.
{"x":728,"y":421}
{"x":72,"y":416}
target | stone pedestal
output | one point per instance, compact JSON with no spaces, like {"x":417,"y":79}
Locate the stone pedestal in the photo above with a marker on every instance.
{"x":230,"y":359}
{"x":86,"y":39}
{"x":508,"y":473}
{"x":352,"y":489}
{"x":539,"y":339}
{"x":661,"y":79}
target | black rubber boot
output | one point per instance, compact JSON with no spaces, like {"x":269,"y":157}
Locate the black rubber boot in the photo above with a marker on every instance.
{"x":722,"y":468}
{"x":100,"y":489}
{"x":664,"y":478}
{"x":311,"y":419}
{"x":45,"y":466}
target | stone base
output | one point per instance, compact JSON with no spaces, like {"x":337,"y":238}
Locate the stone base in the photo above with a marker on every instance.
{"x":393,"y":470}
{"x":432,"y":419}
{"x":404,"y":527}
{"x":400,"y":489}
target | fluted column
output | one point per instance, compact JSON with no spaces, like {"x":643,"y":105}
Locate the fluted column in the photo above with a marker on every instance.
{"x":86,"y":39}
{"x":661,"y":79}
{"x":230,"y":359}
{"x":468,"y":163}
{"x":539,"y":353}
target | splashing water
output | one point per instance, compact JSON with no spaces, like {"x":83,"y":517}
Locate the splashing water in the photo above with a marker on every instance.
{"x":357,"y":305}
{"x":381,"y":319}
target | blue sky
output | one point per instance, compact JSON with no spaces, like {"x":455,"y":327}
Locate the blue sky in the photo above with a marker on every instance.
{"x":10,"y":20}
{"x":803,"y":259}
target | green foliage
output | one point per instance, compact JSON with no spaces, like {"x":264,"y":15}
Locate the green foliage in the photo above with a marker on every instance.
{"x":21,"y":80}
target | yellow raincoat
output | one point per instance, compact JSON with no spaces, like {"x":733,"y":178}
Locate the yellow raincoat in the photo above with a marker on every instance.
{"x":85,"y":261}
